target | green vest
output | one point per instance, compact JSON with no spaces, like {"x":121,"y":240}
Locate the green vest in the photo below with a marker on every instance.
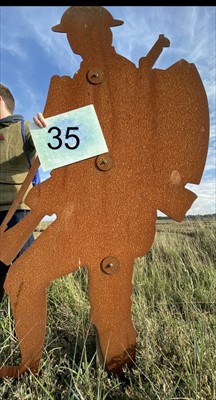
{"x":14,"y":165}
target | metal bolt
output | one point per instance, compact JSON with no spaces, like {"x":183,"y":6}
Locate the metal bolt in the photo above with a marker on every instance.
{"x":110,"y":265}
{"x":104,"y":162}
{"x":95,"y":76}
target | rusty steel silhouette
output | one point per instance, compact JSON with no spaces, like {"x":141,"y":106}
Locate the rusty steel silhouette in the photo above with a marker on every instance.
{"x":156,"y":126}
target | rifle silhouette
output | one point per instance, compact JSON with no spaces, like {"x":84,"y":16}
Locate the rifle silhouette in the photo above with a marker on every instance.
{"x":152,"y":56}
{"x":12,"y":240}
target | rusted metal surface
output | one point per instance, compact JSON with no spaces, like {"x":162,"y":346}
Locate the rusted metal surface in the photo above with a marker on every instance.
{"x":156,"y":125}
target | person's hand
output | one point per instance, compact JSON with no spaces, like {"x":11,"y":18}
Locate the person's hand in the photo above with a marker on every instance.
{"x":40,"y":120}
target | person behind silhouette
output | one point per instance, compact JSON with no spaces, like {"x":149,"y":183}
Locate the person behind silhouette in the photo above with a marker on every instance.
{"x":14,"y":165}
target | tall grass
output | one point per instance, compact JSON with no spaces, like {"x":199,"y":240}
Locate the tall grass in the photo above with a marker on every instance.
{"x":174,"y":313}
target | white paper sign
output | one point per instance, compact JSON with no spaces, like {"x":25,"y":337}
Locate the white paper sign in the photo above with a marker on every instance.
{"x":69,"y":137}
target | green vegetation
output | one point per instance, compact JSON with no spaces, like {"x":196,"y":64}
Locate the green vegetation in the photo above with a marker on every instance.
{"x":174,"y":313}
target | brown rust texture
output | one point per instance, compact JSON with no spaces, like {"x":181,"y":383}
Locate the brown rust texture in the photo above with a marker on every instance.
{"x":156,"y":125}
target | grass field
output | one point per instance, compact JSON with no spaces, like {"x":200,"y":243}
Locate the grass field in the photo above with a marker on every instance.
{"x":174,"y":314}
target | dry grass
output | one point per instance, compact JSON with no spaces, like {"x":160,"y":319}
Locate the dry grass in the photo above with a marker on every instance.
{"x":174,"y":313}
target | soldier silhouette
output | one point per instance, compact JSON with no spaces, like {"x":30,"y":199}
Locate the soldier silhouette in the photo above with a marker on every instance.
{"x":155,"y":123}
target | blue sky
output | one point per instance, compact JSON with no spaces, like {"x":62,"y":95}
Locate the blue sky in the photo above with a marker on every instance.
{"x":30,"y":54}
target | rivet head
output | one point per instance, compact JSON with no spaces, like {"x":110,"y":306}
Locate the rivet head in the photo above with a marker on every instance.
{"x":110,"y":265}
{"x":95,"y":76}
{"x":104,"y":162}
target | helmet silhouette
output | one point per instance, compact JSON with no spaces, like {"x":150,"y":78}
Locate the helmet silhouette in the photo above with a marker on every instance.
{"x":80,"y":17}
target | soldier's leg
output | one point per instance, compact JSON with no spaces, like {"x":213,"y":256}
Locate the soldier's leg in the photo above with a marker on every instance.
{"x":17,"y":217}
{"x":26,"y":285}
{"x":110,"y":291}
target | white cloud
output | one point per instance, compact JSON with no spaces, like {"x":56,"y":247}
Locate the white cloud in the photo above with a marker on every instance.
{"x":55,"y":45}
{"x":206,"y":201}
{"x":35,"y":23}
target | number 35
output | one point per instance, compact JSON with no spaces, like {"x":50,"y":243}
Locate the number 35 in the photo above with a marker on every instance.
{"x":68,"y":135}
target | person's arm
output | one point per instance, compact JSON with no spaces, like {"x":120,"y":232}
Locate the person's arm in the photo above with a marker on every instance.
{"x":41,"y":122}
